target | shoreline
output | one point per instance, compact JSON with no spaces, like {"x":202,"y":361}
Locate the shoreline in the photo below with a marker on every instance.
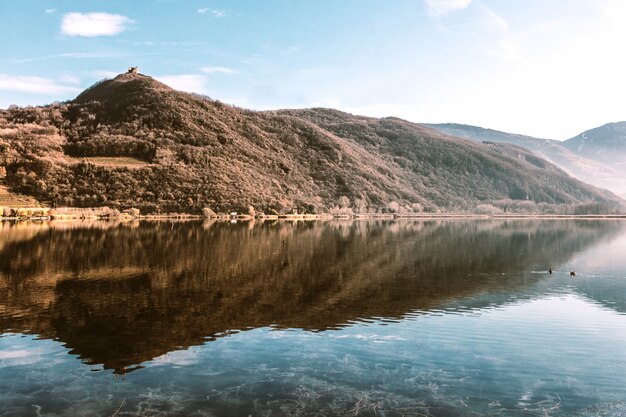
{"x":314,"y":217}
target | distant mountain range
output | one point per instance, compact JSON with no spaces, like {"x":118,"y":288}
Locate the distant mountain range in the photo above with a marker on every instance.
{"x":605,"y":144}
{"x":597,"y":156}
{"x":132,"y":141}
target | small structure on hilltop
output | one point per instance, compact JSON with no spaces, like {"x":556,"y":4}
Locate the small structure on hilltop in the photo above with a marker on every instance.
{"x":133,"y":70}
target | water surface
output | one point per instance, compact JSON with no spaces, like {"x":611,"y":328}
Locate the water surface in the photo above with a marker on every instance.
{"x":409,"y":318}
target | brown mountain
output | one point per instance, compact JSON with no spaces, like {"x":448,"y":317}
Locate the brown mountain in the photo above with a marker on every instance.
{"x":133,"y":141}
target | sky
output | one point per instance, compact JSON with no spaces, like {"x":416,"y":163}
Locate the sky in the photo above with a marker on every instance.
{"x":549,"y":69}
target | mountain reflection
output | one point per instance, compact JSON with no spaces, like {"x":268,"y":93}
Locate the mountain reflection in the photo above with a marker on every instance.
{"x":120,"y":295}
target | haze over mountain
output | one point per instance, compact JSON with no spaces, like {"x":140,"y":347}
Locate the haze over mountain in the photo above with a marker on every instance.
{"x":605,"y":144}
{"x":597,"y":156}
{"x":134,"y":141}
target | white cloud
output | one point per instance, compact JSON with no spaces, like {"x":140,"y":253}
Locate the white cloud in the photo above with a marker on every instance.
{"x":506,"y":46}
{"x":49,"y":11}
{"x":216,"y":13}
{"x":69,"y":79}
{"x":36,"y":85}
{"x":192,"y":83}
{"x":93,"y":24}
{"x":442,"y":7}
{"x":218,"y":70}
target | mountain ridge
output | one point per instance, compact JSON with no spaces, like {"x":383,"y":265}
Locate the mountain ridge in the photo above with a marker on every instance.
{"x":589,"y":167}
{"x":605,"y":144}
{"x":199,"y":152}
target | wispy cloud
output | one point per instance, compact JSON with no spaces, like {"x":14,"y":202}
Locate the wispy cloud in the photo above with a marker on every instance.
{"x":164,"y":43}
{"x":36,"y":85}
{"x":192,"y":83}
{"x":216,"y":13}
{"x":506,"y":47}
{"x":94,"y":24}
{"x":95,"y":55}
{"x":70,"y":79}
{"x":50,"y":11}
{"x":218,"y":70}
{"x":443,"y":7}
{"x":494,"y":18}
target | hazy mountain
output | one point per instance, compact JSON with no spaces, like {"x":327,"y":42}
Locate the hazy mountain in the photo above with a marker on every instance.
{"x":605,"y":144}
{"x":597,"y":156}
{"x":133,"y":141}
{"x":482,"y":134}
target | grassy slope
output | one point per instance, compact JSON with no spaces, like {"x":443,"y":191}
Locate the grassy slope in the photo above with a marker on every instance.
{"x":110,"y":161}
{"x":12,"y":200}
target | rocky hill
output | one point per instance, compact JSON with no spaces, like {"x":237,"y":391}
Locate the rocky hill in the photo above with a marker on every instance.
{"x":133,"y":141}
{"x":597,"y":156}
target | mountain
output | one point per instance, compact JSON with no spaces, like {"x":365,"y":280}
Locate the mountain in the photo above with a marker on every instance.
{"x":132,"y":141}
{"x":597,"y":156}
{"x":605,"y":144}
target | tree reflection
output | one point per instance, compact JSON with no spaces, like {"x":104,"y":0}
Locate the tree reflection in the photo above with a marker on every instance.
{"x":120,"y":294}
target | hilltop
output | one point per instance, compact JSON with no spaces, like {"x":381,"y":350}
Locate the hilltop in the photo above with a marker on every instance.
{"x":132,"y":141}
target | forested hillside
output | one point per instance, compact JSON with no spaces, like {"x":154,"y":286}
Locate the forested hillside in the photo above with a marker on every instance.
{"x":134,"y":142}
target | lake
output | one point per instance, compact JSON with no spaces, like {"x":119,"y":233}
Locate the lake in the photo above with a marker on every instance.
{"x":364,"y":318}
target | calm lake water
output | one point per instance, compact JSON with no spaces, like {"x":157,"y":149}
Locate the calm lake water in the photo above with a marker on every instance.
{"x":407,"y":318}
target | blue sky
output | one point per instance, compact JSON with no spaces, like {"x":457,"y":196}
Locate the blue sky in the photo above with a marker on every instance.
{"x":544,"y":68}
